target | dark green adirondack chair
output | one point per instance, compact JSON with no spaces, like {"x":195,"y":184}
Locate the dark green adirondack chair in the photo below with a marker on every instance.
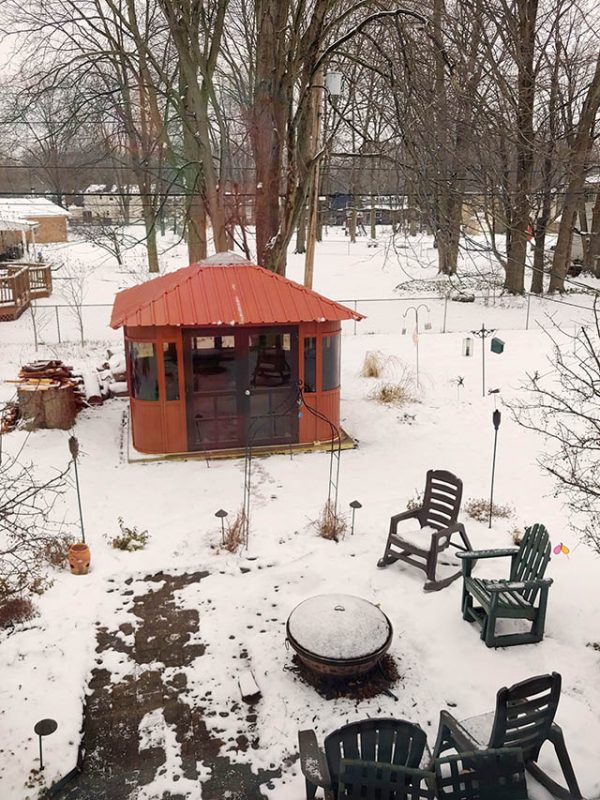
{"x":486,"y":775}
{"x":524,"y":718}
{"x":367,"y":780}
{"x":523,"y":596}
{"x":388,"y":741}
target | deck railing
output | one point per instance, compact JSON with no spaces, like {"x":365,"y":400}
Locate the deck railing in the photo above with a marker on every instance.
{"x":19,"y":284}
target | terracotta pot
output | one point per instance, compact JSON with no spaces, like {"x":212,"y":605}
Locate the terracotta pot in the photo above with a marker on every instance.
{"x":79,"y":559}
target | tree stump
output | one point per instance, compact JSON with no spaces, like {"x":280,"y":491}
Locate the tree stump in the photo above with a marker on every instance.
{"x":47,"y":407}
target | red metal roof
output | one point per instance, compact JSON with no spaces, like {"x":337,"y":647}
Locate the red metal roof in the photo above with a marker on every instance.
{"x":232,"y":293}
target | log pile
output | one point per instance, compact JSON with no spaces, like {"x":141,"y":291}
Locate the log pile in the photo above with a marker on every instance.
{"x":112,"y":375}
{"x":49,"y":395}
{"x":9,"y":417}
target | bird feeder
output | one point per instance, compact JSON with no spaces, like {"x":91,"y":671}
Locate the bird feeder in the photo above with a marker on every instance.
{"x":497,"y":345}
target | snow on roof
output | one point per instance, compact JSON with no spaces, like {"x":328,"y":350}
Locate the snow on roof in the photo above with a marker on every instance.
{"x":222,"y":259}
{"x":10,"y":222}
{"x":26,"y":207}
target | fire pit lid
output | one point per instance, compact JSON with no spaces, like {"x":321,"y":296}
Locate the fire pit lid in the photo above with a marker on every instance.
{"x":339,"y":626}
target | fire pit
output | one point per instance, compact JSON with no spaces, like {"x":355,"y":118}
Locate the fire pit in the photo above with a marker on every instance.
{"x":339,"y":635}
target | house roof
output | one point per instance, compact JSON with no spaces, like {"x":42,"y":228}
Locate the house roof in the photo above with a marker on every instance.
{"x":223,"y":290}
{"x":26,"y":207}
{"x":10,"y":222}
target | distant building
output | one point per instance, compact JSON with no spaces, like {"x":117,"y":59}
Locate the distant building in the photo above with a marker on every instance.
{"x":49,"y":218}
{"x":108,"y":204}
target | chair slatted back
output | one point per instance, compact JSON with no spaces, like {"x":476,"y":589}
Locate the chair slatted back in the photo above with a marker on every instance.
{"x":525,"y":713}
{"x":370,"y":780}
{"x":533,"y":558}
{"x":385,"y":740}
{"x":485,"y":775}
{"x":441,"y":503}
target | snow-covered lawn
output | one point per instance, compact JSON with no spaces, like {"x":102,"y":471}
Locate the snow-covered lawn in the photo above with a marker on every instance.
{"x":45,"y":667}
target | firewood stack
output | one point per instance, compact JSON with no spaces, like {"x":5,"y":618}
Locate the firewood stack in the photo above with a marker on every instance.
{"x":49,"y":395}
{"x":9,"y":416}
{"x":112,"y":375}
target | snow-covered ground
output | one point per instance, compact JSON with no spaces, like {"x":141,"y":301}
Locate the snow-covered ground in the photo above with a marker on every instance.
{"x":46,"y":666}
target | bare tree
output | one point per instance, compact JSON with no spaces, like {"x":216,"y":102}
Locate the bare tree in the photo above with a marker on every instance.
{"x":27,"y":526}
{"x":563,"y":408}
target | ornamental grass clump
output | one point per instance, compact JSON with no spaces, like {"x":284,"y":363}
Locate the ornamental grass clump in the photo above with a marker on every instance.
{"x":235,"y":534}
{"x":130,"y":539}
{"x":329,"y":524}
{"x":373,"y":364}
{"x":392,"y":394}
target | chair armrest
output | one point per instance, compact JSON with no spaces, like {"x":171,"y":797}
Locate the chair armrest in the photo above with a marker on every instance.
{"x":312,"y":760}
{"x":404,"y":515}
{"x":495,"y":586}
{"x":474,"y":554}
{"x":451,"y":734}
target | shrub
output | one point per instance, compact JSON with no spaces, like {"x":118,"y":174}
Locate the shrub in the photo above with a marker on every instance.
{"x":330,"y":525}
{"x":56,"y":550}
{"x":19,"y":609}
{"x":416,"y":501}
{"x":392,"y":394}
{"x":236,"y":532}
{"x":373,"y":364}
{"x":479,"y":509}
{"x":130,"y":539}
{"x":516,"y":534}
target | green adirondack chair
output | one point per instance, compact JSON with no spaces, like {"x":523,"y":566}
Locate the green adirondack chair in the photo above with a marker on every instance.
{"x":367,"y":780}
{"x":523,"y":596}
{"x":524,"y":719}
{"x":497,"y":774}
{"x":385,"y":740}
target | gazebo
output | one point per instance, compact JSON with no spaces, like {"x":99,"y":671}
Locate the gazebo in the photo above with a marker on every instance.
{"x":224,"y":354}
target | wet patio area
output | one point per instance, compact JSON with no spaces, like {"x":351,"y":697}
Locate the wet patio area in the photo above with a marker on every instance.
{"x":144,"y":736}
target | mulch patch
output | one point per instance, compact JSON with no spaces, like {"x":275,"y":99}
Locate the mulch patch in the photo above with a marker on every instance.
{"x":378,"y":680}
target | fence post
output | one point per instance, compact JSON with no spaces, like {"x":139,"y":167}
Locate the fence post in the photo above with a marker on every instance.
{"x":528,"y":304}
{"x":445,"y":312}
{"x":57,"y":323}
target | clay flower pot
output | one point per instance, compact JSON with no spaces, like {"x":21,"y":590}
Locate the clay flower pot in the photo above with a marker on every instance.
{"x":79,"y":559}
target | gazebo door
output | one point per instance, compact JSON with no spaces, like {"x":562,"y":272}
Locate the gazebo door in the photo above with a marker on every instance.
{"x":272,"y":389}
{"x":241,"y":387}
{"x":214,"y":364}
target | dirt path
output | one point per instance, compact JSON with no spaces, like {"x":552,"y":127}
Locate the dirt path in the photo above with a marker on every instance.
{"x":161,"y":642}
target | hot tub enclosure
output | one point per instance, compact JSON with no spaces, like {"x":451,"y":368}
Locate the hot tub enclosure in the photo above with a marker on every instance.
{"x":224,"y":353}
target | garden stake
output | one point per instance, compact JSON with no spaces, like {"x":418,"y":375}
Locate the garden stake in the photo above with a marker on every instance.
{"x":496,"y":416}
{"x":44,"y":728}
{"x":221,"y":514}
{"x":354,"y":505}
{"x":74,"y":450}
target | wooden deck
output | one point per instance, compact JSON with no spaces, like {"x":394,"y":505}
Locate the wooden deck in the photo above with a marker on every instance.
{"x":20,"y":283}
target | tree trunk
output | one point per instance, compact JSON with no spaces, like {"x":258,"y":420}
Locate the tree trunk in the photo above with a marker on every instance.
{"x":578,"y":162}
{"x":269,"y":115}
{"x":196,"y":229}
{"x":301,"y":233}
{"x":517,"y":252}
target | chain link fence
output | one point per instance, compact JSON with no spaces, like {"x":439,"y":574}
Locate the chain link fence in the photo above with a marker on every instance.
{"x":52,"y":324}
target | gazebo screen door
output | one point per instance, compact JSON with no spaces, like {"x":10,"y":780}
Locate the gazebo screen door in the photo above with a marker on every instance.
{"x":241,"y":387}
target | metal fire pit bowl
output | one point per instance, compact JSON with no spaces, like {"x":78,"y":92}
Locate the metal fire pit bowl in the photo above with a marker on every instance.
{"x":339,"y":635}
